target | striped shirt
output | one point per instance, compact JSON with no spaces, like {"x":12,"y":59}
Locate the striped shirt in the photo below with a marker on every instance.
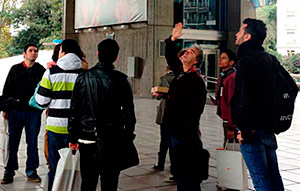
{"x":56,"y":90}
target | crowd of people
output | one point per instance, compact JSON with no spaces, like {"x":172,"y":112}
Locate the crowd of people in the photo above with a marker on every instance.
{"x":92,"y":110}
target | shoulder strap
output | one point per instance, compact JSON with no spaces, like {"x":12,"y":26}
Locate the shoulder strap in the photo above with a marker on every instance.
{"x":87,"y":83}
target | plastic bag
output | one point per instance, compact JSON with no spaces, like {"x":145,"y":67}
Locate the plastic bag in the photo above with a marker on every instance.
{"x":4,"y":146}
{"x":67,"y":176}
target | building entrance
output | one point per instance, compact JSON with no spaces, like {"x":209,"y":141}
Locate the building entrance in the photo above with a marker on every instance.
{"x":209,"y":68}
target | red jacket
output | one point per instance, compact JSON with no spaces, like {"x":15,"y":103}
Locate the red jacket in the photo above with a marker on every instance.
{"x":224,"y":92}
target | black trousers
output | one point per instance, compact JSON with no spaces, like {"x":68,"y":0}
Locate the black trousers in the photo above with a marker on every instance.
{"x":92,"y":165}
{"x":163,"y":146}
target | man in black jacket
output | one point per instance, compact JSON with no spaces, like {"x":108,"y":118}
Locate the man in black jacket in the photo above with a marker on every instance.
{"x":102,"y":114}
{"x":184,"y":106}
{"x":20,"y":84}
{"x":249,"y":106}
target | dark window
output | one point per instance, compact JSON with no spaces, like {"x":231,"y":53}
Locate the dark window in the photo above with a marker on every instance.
{"x":200,"y":14}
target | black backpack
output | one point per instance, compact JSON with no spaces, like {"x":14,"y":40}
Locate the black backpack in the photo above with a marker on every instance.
{"x":280,"y":97}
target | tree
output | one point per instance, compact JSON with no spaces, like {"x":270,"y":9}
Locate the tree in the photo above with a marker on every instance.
{"x":41,"y":21}
{"x":292,"y":63}
{"x":268,"y":14}
{"x":5,"y":23}
{"x":5,"y":39}
{"x":5,"y":19}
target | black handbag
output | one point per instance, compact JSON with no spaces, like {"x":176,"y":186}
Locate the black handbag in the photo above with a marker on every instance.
{"x":128,"y":154}
{"x":190,"y":162}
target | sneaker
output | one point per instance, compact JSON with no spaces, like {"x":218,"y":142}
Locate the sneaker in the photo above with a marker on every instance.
{"x":7,"y":179}
{"x":34,"y":177}
{"x":159,"y":167}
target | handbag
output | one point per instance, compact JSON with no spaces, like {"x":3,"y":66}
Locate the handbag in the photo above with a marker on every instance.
{"x":4,"y":144}
{"x":231,"y":168}
{"x":32,"y":101}
{"x":190,"y":162}
{"x":128,"y":153}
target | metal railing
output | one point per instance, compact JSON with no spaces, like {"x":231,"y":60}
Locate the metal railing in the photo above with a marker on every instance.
{"x":210,"y":79}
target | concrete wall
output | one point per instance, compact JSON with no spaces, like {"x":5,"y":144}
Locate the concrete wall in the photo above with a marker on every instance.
{"x":138,"y":40}
{"x":142,"y":39}
{"x":237,"y":11}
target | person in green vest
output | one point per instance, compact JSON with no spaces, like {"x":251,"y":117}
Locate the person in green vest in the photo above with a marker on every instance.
{"x":164,"y":81}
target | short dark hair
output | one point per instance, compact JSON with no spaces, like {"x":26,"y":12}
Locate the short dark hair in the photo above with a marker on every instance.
{"x":71,"y":46}
{"x":108,"y":50}
{"x":56,"y":52}
{"x":231,"y":55}
{"x":29,"y":45}
{"x":257,"y":29}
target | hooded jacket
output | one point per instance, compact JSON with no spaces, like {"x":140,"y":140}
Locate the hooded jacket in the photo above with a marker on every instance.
{"x":56,"y":89}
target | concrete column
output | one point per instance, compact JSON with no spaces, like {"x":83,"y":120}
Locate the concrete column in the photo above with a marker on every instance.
{"x":237,"y":11}
{"x":68,"y":19}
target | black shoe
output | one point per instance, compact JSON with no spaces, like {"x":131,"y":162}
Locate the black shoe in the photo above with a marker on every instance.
{"x":34,"y":178}
{"x":158,"y":167}
{"x":7,"y":179}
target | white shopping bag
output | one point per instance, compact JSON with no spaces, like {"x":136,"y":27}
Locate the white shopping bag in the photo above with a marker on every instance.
{"x":233,"y":147}
{"x":4,"y":146}
{"x":44,"y":182}
{"x":231,"y":168}
{"x":67,"y":176}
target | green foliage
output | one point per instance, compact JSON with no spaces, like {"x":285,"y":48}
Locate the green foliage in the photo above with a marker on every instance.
{"x":5,"y":39}
{"x":292,"y":63}
{"x":24,"y":37}
{"x":5,"y":21}
{"x":268,"y":14}
{"x":40,"y":21}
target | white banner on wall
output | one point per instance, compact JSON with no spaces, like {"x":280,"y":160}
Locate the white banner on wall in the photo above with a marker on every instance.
{"x":92,"y":13}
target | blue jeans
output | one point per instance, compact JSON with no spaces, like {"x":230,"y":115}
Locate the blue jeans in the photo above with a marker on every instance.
{"x":55,"y":142}
{"x":16,"y":122}
{"x":183,"y":184}
{"x":260,"y":156}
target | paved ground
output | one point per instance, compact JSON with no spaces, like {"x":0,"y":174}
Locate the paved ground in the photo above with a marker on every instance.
{"x":143,"y":178}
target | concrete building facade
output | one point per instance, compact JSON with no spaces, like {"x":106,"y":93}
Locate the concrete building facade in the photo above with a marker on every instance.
{"x":288,"y":29}
{"x":211,"y":23}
